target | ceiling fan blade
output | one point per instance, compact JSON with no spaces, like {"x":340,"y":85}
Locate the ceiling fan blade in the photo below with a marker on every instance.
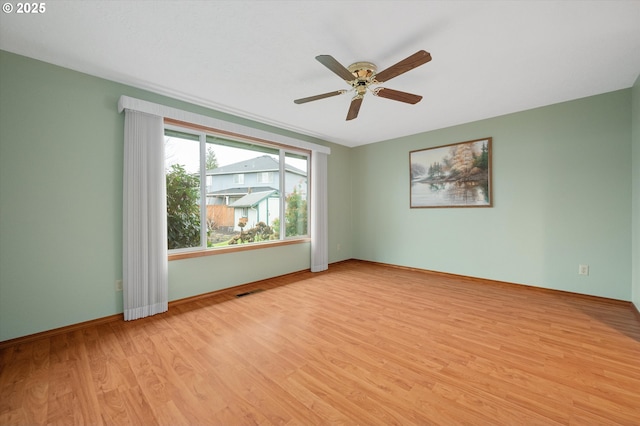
{"x":335,"y":66}
{"x":318,"y":97}
{"x":419,"y":58}
{"x":354,"y":108}
{"x":397,"y":95}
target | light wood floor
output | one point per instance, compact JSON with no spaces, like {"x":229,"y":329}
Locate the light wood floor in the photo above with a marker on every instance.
{"x":360,"y":344}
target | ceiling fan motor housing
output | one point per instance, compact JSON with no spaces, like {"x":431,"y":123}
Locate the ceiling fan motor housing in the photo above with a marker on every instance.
{"x":364,"y":73}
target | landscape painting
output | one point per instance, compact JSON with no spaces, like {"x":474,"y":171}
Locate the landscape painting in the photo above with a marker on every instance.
{"x":455,"y":175}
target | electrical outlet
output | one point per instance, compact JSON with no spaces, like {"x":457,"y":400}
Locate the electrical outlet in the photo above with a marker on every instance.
{"x":339,"y":246}
{"x":118,"y":285}
{"x":583,"y":269}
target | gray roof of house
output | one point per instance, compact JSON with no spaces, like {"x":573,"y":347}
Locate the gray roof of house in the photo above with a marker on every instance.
{"x":264,"y":163}
{"x":242,"y":190}
{"x":252,"y":199}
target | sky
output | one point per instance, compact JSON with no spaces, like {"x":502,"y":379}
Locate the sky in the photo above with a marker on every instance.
{"x":186,"y":152}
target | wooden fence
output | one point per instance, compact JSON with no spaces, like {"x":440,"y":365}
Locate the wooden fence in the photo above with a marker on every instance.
{"x":220,"y":215}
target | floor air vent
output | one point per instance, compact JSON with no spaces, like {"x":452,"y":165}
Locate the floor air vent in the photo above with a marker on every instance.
{"x":249,"y":292}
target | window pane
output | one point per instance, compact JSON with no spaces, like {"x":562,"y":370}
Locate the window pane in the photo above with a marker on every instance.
{"x":265,"y":177}
{"x":296,"y":194}
{"x":242,"y":208}
{"x":182,"y":169}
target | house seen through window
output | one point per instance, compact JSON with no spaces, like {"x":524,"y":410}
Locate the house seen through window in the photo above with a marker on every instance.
{"x":252,"y":192}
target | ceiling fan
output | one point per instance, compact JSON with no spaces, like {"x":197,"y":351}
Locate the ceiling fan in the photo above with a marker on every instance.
{"x":362,"y":75}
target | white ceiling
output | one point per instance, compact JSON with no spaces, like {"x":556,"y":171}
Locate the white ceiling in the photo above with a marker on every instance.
{"x":253,"y":58}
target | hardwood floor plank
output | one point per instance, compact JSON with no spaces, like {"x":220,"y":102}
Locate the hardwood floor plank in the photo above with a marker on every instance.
{"x":361,"y":343}
{"x":14,"y":417}
{"x":12,"y":395}
{"x":36,"y":396}
{"x":113,"y":408}
{"x":139,"y":410}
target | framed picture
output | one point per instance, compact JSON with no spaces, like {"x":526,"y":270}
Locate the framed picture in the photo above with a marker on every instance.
{"x":455,"y":175}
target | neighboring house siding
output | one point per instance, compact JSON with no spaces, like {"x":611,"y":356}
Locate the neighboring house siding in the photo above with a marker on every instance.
{"x":222,"y":179}
{"x":217,"y":183}
{"x":265,"y":211}
{"x":260,"y":174}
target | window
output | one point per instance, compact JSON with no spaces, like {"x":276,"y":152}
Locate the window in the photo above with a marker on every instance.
{"x":295,"y":183}
{"x":264,"y":177}
{"x":243,"y":203}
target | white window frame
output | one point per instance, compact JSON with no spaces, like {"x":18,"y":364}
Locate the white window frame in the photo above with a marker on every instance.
{"x":283,"y":150}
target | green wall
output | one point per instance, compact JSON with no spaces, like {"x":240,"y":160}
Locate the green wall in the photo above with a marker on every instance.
{"x":562,"y":197}
{"x":61,"y":145}
{"x":636,"y":194}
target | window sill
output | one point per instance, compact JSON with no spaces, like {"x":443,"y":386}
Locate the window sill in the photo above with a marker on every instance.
{"x":233,"y":249}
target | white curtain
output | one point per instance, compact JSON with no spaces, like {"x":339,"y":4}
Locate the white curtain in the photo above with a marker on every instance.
{"x":145,"y":264}
{"x":319,"y":223}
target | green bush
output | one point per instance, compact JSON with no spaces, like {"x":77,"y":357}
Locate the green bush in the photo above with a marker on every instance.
{"x":183,"y":211}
